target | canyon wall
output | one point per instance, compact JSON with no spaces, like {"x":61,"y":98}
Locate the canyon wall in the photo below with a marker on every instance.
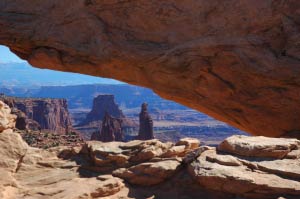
{"x":235,"y":60}
{"x":40,"y":114}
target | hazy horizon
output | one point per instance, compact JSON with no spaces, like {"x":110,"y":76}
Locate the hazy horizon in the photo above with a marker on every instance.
{"x":16,"y":72}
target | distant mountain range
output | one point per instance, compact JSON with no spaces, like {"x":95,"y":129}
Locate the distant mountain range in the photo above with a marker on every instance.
{"x":26,"y":76}
{"x":81,"y":96}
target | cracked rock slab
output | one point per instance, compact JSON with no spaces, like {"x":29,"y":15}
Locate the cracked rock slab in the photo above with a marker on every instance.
{"x":259,"y":146}
{"x":149,"y":173}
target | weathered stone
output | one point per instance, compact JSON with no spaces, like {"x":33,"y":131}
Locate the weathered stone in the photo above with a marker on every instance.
{"x":259,"y":146}
{"x":175,"y":151}
{"x":7,"y":120}
{"x":120,"y":154}
{"x":234,"y":60}
{"x":150,"y":173}
{"x":228,"y":174}
{"x":39,"y":114}
{"x":294,"y":154}
{"x":190,"y":143}
{"x":254,"y":170}
{"x":286,"y":168}
{"x":12,"y":150}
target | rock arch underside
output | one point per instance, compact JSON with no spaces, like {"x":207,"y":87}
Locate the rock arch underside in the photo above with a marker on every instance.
{"x":235,"y":60}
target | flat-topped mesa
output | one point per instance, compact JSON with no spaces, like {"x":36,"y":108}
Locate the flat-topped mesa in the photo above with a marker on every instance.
{"x":101,"y":105}
{"x":111,"y":130}
{"x":40,"y":114}
{"x":146,"y":124}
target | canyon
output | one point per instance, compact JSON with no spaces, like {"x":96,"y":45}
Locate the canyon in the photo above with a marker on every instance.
{"x":40,"y":114}
{"x":172,"y":121}
{"x":233,"y":60}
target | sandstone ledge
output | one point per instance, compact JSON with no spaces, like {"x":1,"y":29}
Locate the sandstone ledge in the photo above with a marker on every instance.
{"x":242,"y":166}
{"x":202,"y":171}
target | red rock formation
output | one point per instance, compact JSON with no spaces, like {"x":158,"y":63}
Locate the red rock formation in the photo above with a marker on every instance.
{"x":146,"y":124}
{"x":111,"y":130}
{"x":236,"y":60}
{"x":37,"y":114}
{"x":241,"y":167}
{"x":25,"y":123}
{"x":101,"y":105}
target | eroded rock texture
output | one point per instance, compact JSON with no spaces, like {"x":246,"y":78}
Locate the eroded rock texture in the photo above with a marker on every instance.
{"x":7,"y":120}
{"x":146,"y":124}
{"x":161,"y":170}
{"x":40,"y":114}
{"x":111,"y":130}
{"x":235,"y":60}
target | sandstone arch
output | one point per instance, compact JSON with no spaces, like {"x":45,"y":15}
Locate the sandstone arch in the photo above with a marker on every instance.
{"x":236,"y":60}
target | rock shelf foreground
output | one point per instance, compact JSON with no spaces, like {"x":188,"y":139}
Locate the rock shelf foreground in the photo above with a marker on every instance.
{"x":248,"y":167}
{"x":237,"y":61}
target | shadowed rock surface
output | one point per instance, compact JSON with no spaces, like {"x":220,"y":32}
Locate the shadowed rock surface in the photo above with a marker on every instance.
{"x":148,"y":169}
{"x":111,"y":130}
{"x":146,"y":124}
{"x":236,"y":60}
{"x":92,"y":124}
{"x":40,"y":114}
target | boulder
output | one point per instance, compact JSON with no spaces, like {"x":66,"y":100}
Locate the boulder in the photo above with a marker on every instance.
{"x":259,"y":146}
{"x":12,"y":150}
{"x":119,"y":154}
{"x":250,"y":167}
{"x":150,"y":173}
{"x":7,"y":120}
{"x":189,"y":143}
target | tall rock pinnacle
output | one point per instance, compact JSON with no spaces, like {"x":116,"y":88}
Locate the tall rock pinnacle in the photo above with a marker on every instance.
{"x":146,"y":124}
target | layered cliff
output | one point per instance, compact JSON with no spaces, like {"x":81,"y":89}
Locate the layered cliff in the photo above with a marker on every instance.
{"x":40,"y":114}
{"x":236,"y":60}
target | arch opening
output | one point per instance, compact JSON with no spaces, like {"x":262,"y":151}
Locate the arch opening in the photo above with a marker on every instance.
{"x":172,"y":121}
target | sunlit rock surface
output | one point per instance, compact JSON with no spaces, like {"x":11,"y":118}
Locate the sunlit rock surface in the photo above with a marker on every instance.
{"x":40,"y":114}
{"x":236,"y":60}
{"x":149,"y":169}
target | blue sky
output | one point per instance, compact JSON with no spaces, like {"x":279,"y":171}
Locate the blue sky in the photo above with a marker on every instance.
{"x":7,"y":56}
{"x":17,"y":72}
